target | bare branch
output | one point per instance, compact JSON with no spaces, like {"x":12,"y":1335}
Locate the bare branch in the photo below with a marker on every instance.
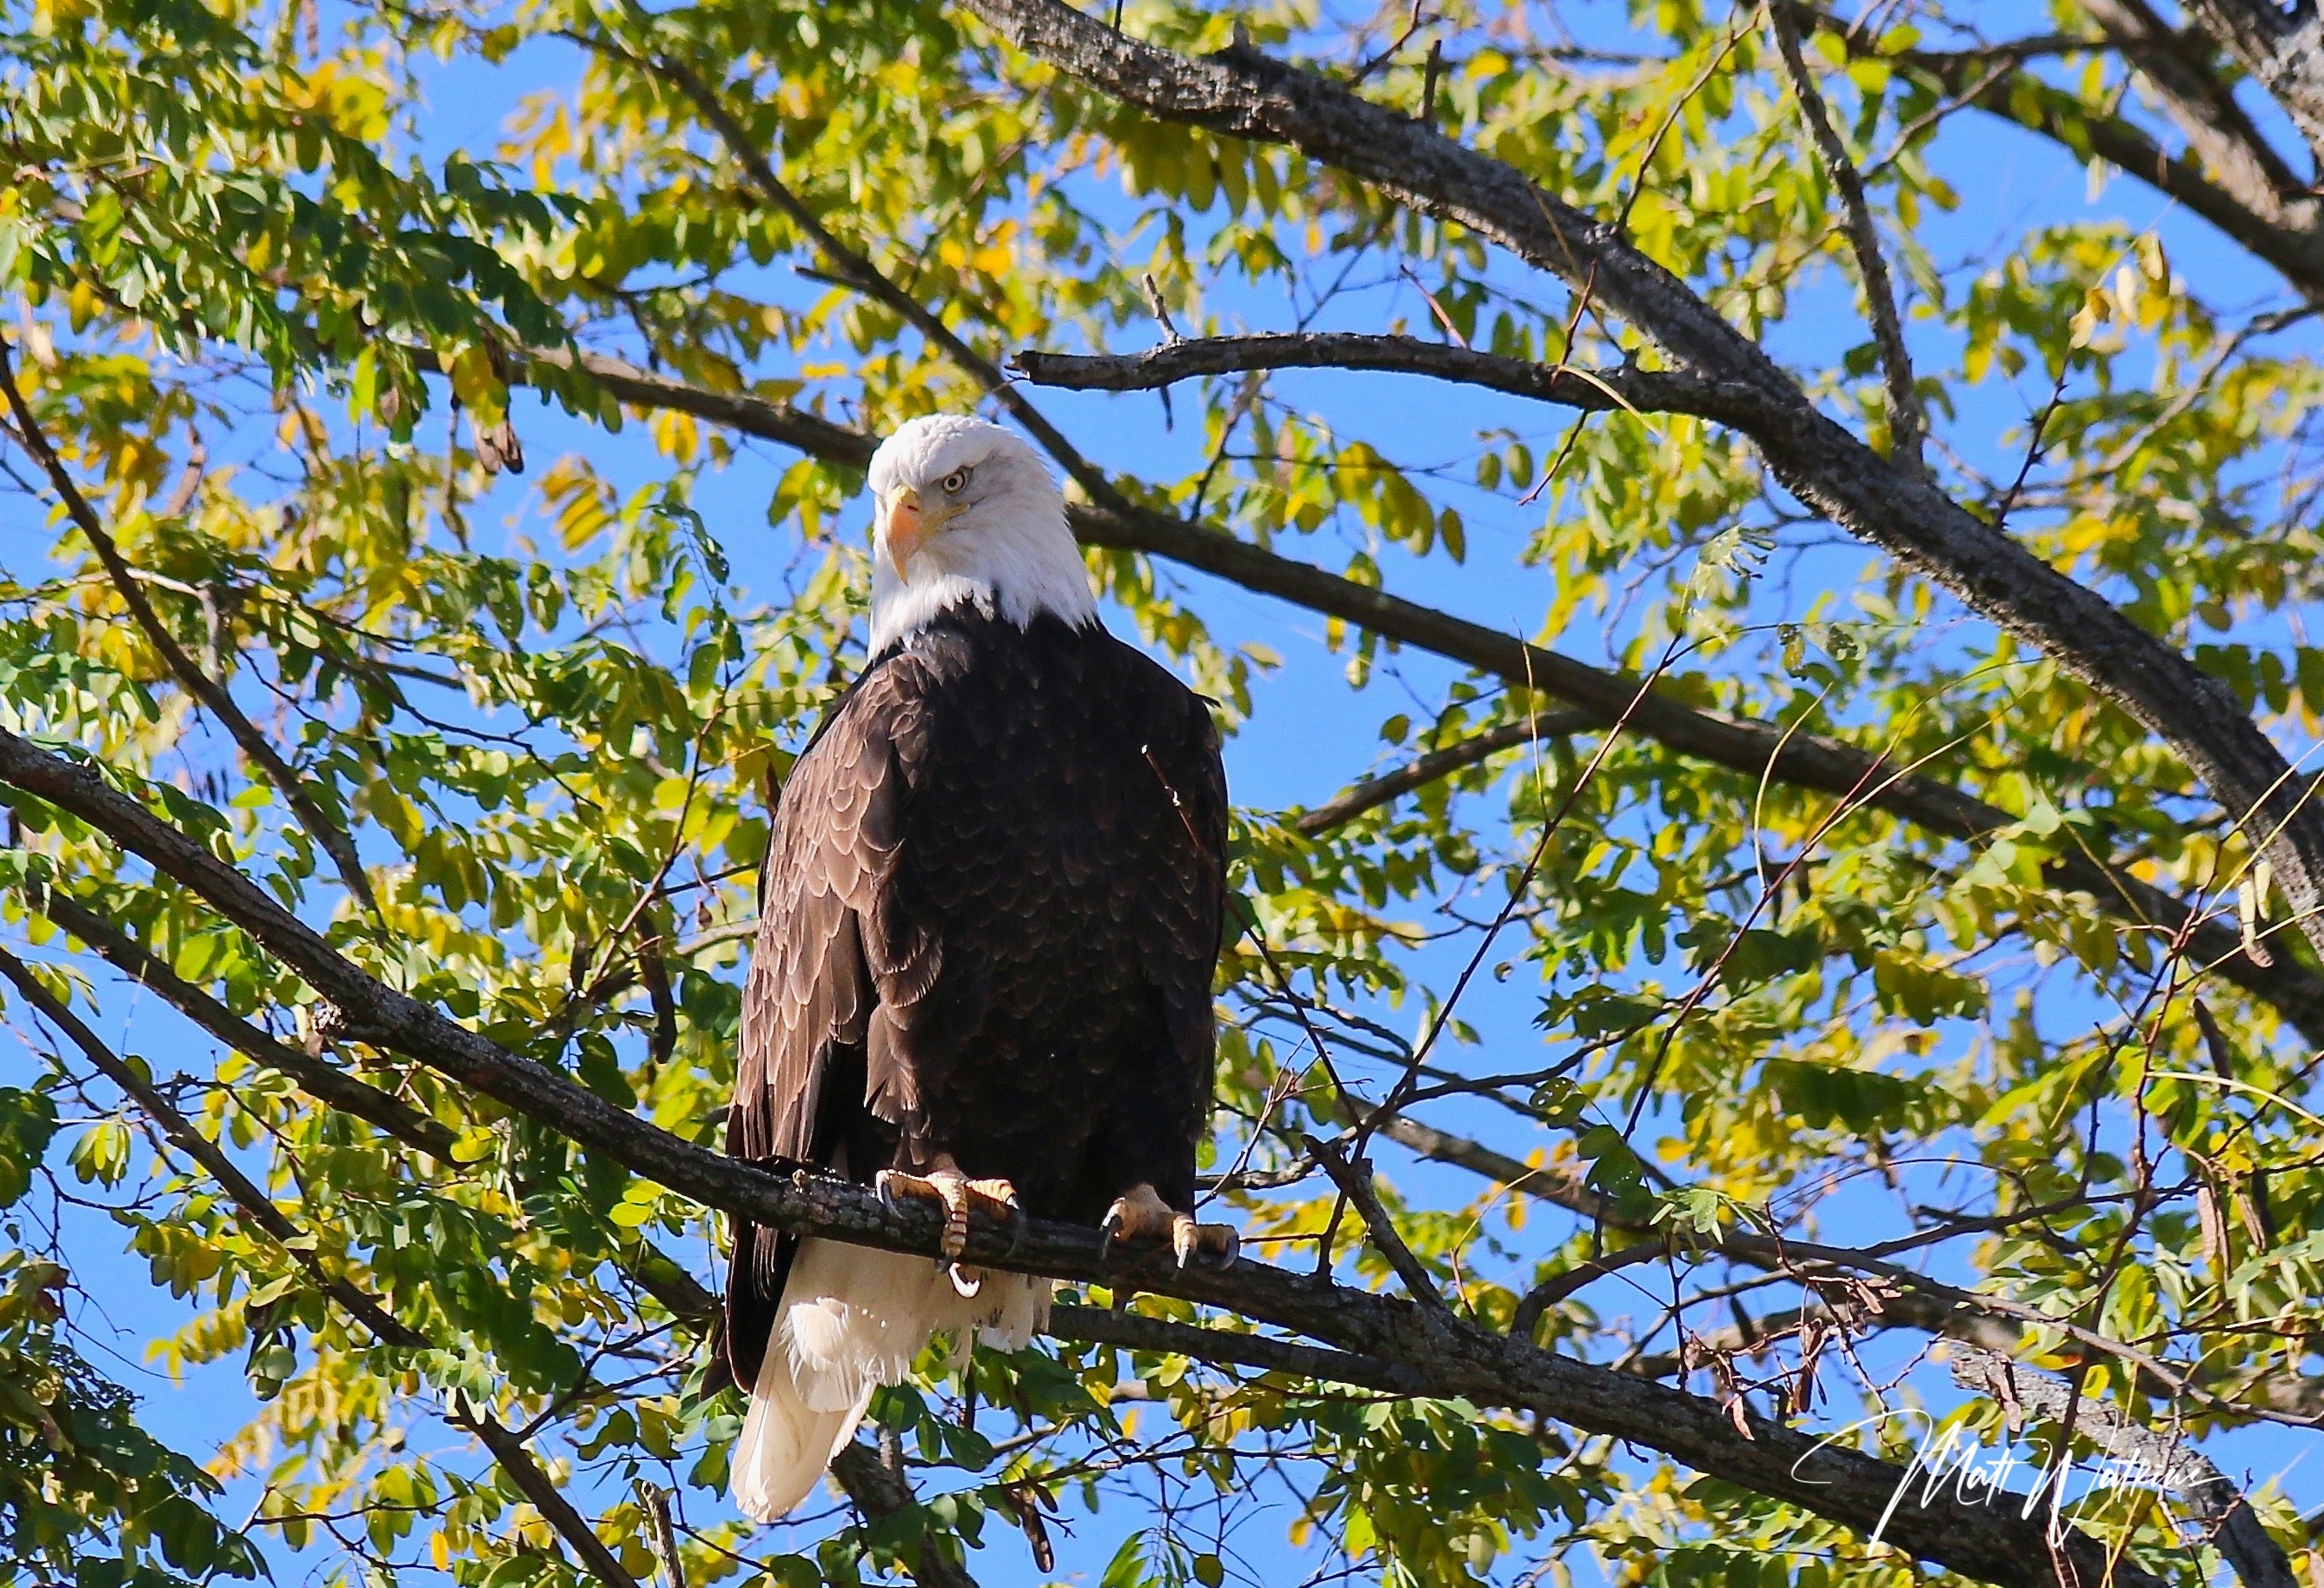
{"x":1593,"y":390}
{"x":1421,"y":770}
{"x":755,"y":416}
{"x":1908,"y":421}
{"x":1566,"y":1281}
{"x":1354,"y":1180}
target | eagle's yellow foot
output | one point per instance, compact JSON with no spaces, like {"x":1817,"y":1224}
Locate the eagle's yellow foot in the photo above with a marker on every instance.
{"x":946,"y":1184}
{"x":1142,"y":1214}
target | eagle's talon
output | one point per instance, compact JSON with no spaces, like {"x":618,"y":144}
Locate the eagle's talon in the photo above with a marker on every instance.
{"x":944,"y":1183}
{"x":1214,"y":1245}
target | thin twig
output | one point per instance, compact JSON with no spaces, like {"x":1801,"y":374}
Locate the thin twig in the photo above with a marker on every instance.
{"x":1371,"y":793}
{"x":1353,"y":1178}
{"x":1908,"y":421}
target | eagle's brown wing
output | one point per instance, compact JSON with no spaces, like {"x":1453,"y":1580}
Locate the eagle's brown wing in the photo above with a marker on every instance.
{"x":1180,"y":884}
{"x":812,"y":989}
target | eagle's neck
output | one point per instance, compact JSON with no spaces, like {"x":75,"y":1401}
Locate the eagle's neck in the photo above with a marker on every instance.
{"x":1014,"y":570}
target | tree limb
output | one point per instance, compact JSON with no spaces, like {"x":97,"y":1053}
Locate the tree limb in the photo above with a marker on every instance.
{"x":1371,"y":793}
{"x":1355,"y":1182}
{"x":2147,"y":1454}
{"x":658,"y":1273}
{"x":1240,"y":92}
{"x":1908,"y":421}
{"x":1918,"y":1304}
{"x":850,"y":267}
{"x":1456,"y":1358}
{"x":1620,"y":388}
{"x":2284,"y":49}
{"x":2185,"y":79}
{"x":881,"y":1492}
{"x":2283,"y":228}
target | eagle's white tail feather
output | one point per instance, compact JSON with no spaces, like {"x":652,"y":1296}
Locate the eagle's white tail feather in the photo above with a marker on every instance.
{"x":851,"y":1320}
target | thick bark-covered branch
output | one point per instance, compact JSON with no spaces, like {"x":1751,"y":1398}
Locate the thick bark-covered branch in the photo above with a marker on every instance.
{"x":2150,"y":1454}
{"x":1452,"y":1357}
{"x":1593,"y":390}
{"x":657,"y":1273}
{"x":880,"y":1492}
{"x":1240,"y":92}
{"x":2182,"y":71}
{"x":2283,"y":49}
{"x":1919,"y":1304}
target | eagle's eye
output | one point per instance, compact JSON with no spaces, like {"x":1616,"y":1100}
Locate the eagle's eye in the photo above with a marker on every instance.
{"x":954,"y":483}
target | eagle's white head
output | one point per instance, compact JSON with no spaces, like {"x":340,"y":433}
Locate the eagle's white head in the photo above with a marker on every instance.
{"x":965,"y":513}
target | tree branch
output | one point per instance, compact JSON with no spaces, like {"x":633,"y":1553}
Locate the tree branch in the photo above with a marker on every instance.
{"x":212,"y":696}
{"x":2284,"y":49}
{"x":2185,"y":79}
{"x":1593,"y":390}
{"x":1919,"y":1303}
{"x":1240,"y":92}
{"x":738,"y":410}
{"x":881,"y":1492}
{"x":658,"y":1273}
{"x":2148,"y":1454}
{"x":1371,"y":793}
{"x":1136,"y":1331}
{"x":1355,"y":1182}
{"x":259,"y":1209}
{"x":2283,"y":228}
{"x":1908,"y":421}
{"x":847,"y":265}
{"x":1452,"y":1357}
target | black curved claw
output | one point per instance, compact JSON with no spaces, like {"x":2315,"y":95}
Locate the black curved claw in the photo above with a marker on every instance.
{"x":1109,"y":1230}
{"x":1021,"y":1225}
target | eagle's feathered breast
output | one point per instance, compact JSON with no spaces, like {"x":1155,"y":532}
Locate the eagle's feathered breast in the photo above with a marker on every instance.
{"x":991,"y":910}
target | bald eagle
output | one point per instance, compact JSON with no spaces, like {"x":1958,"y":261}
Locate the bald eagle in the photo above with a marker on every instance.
{"x":991,"y":911}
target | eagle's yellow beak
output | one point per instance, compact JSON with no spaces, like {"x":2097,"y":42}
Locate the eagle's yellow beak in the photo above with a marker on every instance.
{"x":909,"y":527}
